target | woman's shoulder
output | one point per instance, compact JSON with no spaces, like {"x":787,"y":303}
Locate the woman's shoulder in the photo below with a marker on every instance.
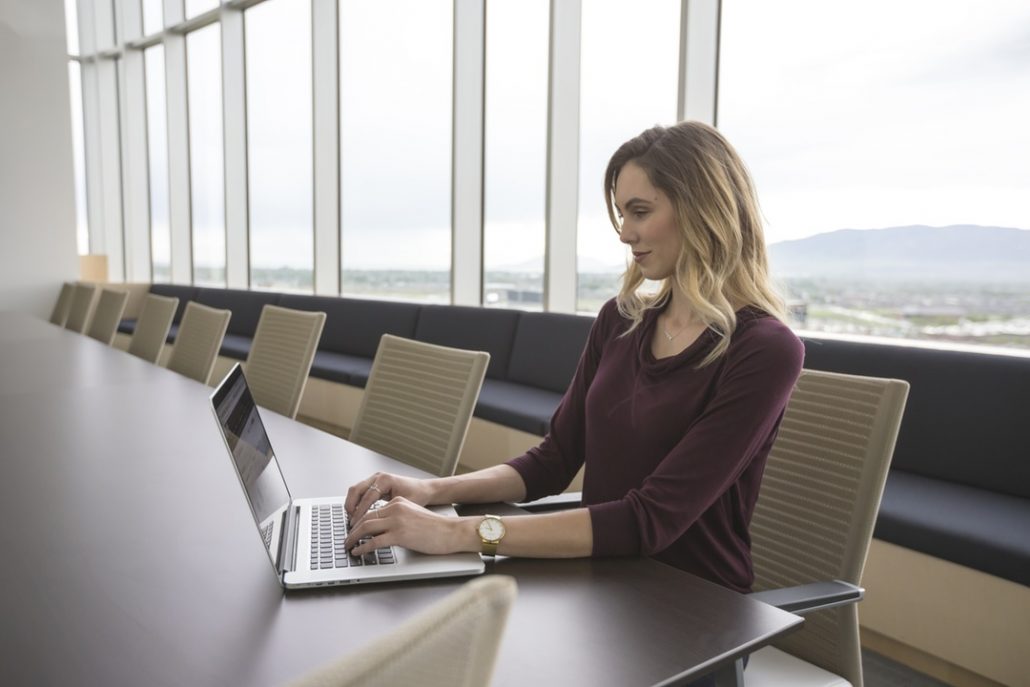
{"x":757,"y":330}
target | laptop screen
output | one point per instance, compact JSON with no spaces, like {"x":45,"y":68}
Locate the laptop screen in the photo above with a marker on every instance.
{"x":248,"y":443}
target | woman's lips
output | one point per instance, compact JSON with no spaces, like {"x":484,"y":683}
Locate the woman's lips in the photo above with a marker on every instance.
{"x":640,"y":255}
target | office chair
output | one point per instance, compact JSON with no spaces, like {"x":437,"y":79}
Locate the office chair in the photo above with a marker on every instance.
{"x":63,"y":305}
{"x":198,"y":341}
{"x":107,"y":315}
{"x":81,"y":307}
{"x":451,"y":644}
{"x":418,"y":402}
{"x":814,"y":520}
{"x":148,"y":339}
{"x":280,"y":358}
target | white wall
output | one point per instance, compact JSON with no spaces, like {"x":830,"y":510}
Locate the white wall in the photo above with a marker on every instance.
{"x":37,"y":196}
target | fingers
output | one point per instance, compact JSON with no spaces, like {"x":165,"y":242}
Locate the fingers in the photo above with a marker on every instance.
{"x":363,"y":494}
{"x":375,"y":527}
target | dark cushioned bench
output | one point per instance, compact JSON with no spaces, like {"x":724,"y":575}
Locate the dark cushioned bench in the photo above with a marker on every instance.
{"x":959,"y":486}
{"x":533,"y":356}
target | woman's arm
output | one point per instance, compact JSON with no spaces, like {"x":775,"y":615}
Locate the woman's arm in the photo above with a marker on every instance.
{"x":565,"y":534}
{"x":490,"y":485}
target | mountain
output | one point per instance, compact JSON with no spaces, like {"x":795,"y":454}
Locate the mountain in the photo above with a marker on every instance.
{"x":965,"y":253}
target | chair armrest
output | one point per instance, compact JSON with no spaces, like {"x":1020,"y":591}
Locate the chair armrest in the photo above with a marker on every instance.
{"x":571,"y":499}
{"x":811,"y":597}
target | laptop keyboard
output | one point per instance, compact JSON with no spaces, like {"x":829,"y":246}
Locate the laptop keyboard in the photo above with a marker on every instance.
{"x":266,"y":534}
{"x":329,"y":531}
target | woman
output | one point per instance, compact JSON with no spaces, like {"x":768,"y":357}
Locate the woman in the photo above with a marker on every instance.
{"x":676,"y":400}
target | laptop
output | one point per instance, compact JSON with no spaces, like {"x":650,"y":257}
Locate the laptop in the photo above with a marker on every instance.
{"x":304,"y":537}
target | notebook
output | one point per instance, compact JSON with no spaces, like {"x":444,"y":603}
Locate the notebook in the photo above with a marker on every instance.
{"x":304,"y":537}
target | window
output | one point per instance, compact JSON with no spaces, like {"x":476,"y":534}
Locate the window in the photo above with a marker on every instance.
{"x":629,"y":82}
{"x":279,"y":145}
{"x":79,"y":158}
{"x":516,"y":153}
{"x":207,"y":192}
{"x":395,"y":101}
{"x":195,"y":7}
{"x":889,"y":144}
{"x":157,"y":150}
{"x":153,"y":17}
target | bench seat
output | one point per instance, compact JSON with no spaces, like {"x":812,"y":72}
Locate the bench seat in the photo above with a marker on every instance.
{"x":970,"y":526}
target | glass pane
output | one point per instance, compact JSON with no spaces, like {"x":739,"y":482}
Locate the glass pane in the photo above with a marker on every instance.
{"x":890,"y":159}
{"x":279,"y":145}
{"x":207,"y":192}
{"x":71,"y":24}
{"x":195,"y":7}
{"x":153,"y":16}
{"x":516,"y":153}
{"x":78,"y":154}
{"x":157,"y":150}
{"x":629,"y":73}
{"x":395,"y":134}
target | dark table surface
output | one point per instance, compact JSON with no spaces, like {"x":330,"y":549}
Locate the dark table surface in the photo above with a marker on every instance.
{"x":130,"y":556}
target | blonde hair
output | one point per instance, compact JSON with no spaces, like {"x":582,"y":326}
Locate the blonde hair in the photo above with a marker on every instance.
{"x":723,"y":261}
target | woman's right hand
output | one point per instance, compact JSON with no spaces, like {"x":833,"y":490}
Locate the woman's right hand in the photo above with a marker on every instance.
{"x":385,"y":486}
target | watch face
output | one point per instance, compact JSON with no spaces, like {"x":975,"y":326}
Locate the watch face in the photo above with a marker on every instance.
{"x":491,"y":529}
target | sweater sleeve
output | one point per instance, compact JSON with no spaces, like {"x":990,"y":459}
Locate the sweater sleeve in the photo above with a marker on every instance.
{"x":742,"y":417}
{"x":549,"y":468}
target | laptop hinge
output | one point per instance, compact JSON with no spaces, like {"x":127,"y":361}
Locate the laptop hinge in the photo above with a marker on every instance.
{"x":288,"y":547}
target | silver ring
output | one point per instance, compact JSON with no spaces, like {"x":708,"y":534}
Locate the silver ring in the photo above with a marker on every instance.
{"x":379,"y":513}
{"x":377,"y":489}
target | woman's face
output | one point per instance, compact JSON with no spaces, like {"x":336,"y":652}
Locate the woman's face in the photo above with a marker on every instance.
{"x":648,"y":223}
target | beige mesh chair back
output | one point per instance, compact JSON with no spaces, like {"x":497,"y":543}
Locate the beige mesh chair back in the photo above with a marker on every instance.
{"x":107,"y":315}
{"x":418,"y":402}
{"x":152,"y":327}
{"x":64,"y":304}
{"x":198,"y":341}
{"x":280,"y":358}
{"x":81,"y":308}
{"x":817,"y":506}
{"x":451,"y":644}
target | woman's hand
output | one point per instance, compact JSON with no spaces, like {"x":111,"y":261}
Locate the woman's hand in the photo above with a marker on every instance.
{"x":385,"y":486}
{"x":402,"y":522}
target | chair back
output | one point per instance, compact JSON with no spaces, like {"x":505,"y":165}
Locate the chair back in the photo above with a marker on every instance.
{"x":148,"y":339}
{"x":81,"y":307}
{"x":818,"y":502}
{"x":198,"y":341}
{"x":280,"y":358}
{"x":107,"y":315}
{"x":64,"y":304}
{"x":418,"y":402}
{"x":453,"y":643}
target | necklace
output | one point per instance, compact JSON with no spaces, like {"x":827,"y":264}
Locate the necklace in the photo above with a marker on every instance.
{"x":670,"y":337}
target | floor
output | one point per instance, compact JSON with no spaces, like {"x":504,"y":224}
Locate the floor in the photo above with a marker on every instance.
{"x":880,"y":671}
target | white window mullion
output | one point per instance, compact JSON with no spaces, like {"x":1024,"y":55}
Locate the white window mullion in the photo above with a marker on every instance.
{"x":325,"y":62}
{"x":234,"y":127}
{"x":467,"y":174}
{"x":111,"y":242}
{"x":94,"y":171}
{"x":178,"y":154}
{"x":563,"y":156}
{"x":135,"y":186}
{"x":699,"y":60}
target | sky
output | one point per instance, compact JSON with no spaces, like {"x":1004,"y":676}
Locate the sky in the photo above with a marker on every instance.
{"x":849,"y":114}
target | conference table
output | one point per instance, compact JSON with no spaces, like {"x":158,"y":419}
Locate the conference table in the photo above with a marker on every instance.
{"x":130,"y":556}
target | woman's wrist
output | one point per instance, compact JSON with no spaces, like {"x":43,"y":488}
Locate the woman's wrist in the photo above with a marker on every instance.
{"x":464,"y":534}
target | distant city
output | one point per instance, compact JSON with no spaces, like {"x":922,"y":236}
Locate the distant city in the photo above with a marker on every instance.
{"x":967,"y":285}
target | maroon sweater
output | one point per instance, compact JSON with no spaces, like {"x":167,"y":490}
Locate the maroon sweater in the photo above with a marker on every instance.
{"x":674,"y":454}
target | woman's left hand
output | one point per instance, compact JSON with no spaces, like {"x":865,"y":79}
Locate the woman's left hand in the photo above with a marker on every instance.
{"x":403,"y":523}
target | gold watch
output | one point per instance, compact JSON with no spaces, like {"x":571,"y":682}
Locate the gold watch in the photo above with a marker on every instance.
{"x":491,"y":531}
